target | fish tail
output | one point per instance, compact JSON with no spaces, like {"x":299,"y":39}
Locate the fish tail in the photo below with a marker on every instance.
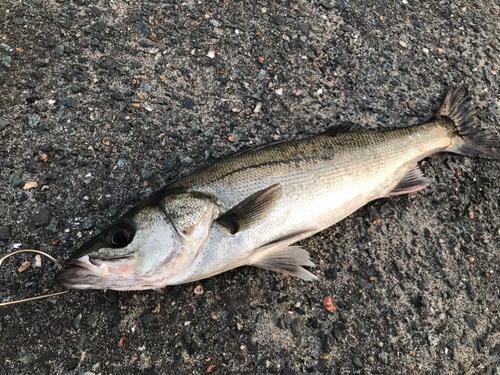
{"x":469,"y":138}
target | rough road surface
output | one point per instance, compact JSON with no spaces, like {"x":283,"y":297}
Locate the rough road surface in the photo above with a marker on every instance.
{"x":103,"y":102}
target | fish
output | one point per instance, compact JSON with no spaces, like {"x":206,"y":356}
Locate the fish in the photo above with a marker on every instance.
{"x":250,"y":208}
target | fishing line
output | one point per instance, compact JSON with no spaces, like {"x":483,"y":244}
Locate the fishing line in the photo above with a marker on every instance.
{"x":37,"y":297}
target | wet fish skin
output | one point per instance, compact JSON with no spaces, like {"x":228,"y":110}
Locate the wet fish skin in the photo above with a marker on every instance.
{"x":248,"y":208}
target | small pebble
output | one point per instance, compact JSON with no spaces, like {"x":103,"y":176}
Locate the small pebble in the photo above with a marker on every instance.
{"x":122,"y":163}
{"x":402,"y":44}
{"x":59,"y":50}
{"x":24,"y":266}
{"x":15,"y":178}
{"x":328,"y":304}
{"x":77,"y":320}
{"x":198,"y":290}
{"x":30,"y":185}
{"x":211,"y":54}
{"x":38,"y":261}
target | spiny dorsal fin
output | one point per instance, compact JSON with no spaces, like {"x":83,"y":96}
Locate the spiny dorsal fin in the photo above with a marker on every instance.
{"x":251,"y":210}
{"x":342,"y":127}
{"x":413,"y":181}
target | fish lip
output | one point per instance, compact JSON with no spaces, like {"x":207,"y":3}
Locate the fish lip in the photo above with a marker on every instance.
{"x":87,"y":273}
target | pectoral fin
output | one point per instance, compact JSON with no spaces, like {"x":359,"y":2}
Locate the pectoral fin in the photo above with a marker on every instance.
{"x":252,"y":210}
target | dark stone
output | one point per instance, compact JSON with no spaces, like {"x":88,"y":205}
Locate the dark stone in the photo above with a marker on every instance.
{"x":188,"y":103}
{"x":495,"y":350}
{"x":132,"y":199}
{"x":46,"y":147}
{"x":73,"y":363}
{"x":41,"y":218}
{"x":59,"y":50}
{"x":281,"y":323}
{"x":15,"y":178}
{"x":252,"y":347}
{"x":6,"y":310}
{"x":10,"y":333}
{"x":147,"y":318}
{"x":116,"y":96}
{"x":296,"y":326}
{"x":326,"y":5}
{"x":146,"y":175}
{"x":472,"y":321}
{"x":152,"y":371}
{"x":145,"y":29}
{"x":88,"y":223}
{"x":331,"y":274}
{"x":327,"y":343}
{"x":357,"y":362}
{"x":427,"y":233}
{"x":4,"y":233}
{"x":288,"y":371}
{"x":452,"y":344}
{"x":229,"y":320}
{"x":176,"y":364}
{"x":50,"y":41}
{"x":50,"y":177}
{"x":134,"y":17}
{"x":346,"y":28}
{"x":209,"y":286}
{"x":305,"y":27}
{"x":68,"y":102}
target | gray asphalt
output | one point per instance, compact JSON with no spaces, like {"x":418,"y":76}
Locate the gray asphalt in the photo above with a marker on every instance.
{"x":104,"y":102}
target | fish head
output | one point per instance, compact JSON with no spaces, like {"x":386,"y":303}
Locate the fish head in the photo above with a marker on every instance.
{"x":140,"y":251}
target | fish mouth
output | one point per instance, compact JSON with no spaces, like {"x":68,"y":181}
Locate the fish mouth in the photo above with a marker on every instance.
{"x":97,"y":273}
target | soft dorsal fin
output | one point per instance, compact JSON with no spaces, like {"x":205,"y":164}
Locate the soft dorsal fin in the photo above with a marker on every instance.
{"x":413,"y":181}
{"x":342,"y":127}
{"x":251,"y":210}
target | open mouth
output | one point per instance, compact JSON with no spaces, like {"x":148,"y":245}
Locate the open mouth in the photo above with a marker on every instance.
{"x":86,"y":272}
{"x":94,"y":267}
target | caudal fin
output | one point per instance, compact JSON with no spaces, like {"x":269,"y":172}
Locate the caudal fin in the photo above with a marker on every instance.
{"x":471,"y":139}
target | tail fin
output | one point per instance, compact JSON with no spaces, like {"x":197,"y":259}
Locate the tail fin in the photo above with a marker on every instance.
{"x":471,"y":139}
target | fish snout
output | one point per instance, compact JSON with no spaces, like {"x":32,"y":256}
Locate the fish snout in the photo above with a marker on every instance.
{"x":94,"y":273}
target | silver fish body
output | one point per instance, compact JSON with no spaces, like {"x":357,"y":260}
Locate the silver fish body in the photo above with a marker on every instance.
{"x":248,"y":208}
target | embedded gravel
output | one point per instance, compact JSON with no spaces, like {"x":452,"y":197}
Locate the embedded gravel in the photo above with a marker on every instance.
{"x":104,"y":102}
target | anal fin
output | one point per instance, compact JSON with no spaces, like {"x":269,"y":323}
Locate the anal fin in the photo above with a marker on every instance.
{"x":278,"y":256}
{"x":411,"y":182}
{"x":288,"y":260}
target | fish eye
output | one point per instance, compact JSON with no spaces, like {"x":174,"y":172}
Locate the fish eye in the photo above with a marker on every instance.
{"x":120,"y":235}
